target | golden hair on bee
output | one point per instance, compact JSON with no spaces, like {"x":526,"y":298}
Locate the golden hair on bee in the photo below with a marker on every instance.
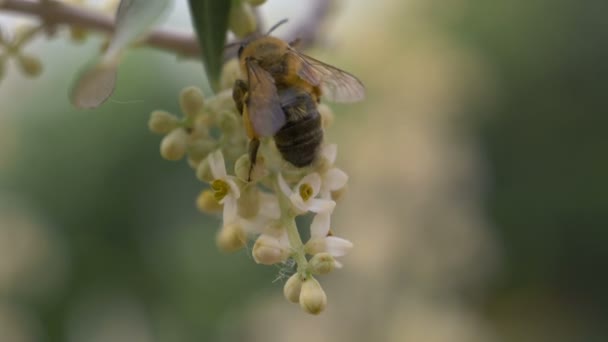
{"x":279,"y":96}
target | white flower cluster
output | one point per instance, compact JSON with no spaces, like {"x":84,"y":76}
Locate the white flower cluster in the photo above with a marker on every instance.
{"x":262,"y":210}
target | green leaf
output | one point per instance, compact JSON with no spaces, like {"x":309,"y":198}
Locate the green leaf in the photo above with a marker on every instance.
{"x":133,"y":19}
{"x":210,"y":19}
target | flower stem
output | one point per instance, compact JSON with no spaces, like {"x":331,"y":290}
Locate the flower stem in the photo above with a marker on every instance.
{"x":296,"y":245}
{"x":288,"y":220}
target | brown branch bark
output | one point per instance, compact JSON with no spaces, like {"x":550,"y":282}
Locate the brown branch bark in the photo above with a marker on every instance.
{"x":181,"y":43}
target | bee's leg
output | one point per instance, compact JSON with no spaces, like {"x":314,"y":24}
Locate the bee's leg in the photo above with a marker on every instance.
{"x":254,"y":145}
{"x":239,"y":92}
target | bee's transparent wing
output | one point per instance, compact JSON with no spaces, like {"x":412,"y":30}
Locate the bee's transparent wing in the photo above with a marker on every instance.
{"x":336,"y":85}
{"x":263,"y":105}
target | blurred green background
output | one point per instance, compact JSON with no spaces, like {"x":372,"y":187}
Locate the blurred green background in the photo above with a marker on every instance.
{"x":477,"y":196}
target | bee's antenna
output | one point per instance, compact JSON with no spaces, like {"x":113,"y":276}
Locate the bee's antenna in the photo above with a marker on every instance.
{"x":276,"y":26}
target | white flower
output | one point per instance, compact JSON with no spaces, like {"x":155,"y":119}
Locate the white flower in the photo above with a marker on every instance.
{"x":321,"y":241}
{"x":303,"y":195}
{"x":332,"y":179}
{"x":268,"y":215}
{"x":225,"y":189}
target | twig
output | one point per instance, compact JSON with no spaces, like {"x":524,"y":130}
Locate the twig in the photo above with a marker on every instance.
{"x":184,"y":44}
{"x":181,"y":43}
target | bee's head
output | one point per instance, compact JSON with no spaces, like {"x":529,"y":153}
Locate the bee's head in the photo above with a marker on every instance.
{"x":243,"y":43}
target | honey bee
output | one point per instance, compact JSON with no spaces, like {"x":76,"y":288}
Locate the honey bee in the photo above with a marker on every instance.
{"x":280,"y":94}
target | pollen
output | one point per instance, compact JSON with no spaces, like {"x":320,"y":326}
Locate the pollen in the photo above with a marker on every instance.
{"x":220,"y":189}
{"x":306,"y":192}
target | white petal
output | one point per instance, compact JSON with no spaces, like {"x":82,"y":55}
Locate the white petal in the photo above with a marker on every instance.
{"x":313,"y":180}
{"x":216,"y":163}
{"x":269,"y":206}
{"x":337,"y":246}
{"x":234,"y":189}
{"x":334,"y":179}
{"x":317,"y":205}
{"x":230,"y":209}
{"x":299,"y":203}
{"x":337,"y":264}
{"x":320,"y":225}
{"x":330,"y":152}
{"x":283,"y":185}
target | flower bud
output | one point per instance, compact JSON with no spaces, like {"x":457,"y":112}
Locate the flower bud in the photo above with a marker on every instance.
{"x":312,"y":297}
{"x":249,"y":202}
{"x":174,"y":144}
{"x":338,"y":194}
{"x":322,"y":263}
{"x":230,"y":73}
{"x":241,"y":20}
{"x":162,"y":122}
{"x":203,"y":171}
{"x":256,"y":2}
{"x":241,"y":167}
{"x":292,"y":288}
{"x":327,"y":115}
{"x":227,"y":122}
{"x":200,"y":149}
{"x":206,"y":203}
{"x":191,"y":101}
{"x":30,"y":65}
{"x":267,"y":250}
{"x":231,"y":238}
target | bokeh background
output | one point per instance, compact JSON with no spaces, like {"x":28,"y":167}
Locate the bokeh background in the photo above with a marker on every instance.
{"x":478,"y":197}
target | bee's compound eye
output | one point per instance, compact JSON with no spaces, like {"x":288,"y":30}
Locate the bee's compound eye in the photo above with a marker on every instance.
{"x":240,"y":51}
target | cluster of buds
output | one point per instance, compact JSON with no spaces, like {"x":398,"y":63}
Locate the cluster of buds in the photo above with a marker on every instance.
{"x":262,"y":206}
{"x":12,"y":48}
{"x":241,"y":20}
{"x":79,"y":34}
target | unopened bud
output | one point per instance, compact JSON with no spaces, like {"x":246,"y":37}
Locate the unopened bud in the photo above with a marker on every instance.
{"x":200,"y":149}
{"x":231,"y":71}
{"x":162,"y":122}
{"x":191,"y":101}
{"x":203,"y":171}
{"x":227,"y":122}
{"x":312,"y":297}
{"x":292,"y":288}
{"x":241,"y":167}
{"x":267,"y":250}
{"x":206,"y":203}
{"x":173,"y":146}
{"x":322,"y":263}
{"x":231,"y":238}
{"x":30,"y":65}
{"x":242,"y":20}
{"x":327,"y":115}
{"x":338,"y":194}
{"x":248,"y":203}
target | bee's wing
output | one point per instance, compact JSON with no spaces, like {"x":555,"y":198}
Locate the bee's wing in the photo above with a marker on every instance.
{"x":337,"y":85}
{"x":263,"y":104}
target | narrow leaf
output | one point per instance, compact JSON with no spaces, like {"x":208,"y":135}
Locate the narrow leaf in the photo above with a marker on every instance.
{"x":94,"y":86}
{"x":210,"y":19}
{"x":133,"y":19}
